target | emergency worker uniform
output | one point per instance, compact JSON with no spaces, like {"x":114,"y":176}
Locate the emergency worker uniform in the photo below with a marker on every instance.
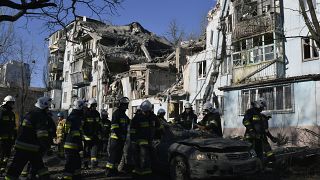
{"x":7,"y":134}
{"x":32,"y":140}
{"x":142,"y":131}
{"x":212,"y":123}
{"x":257,"y":132}
{"x":73,"y":145}
{"x":91,"y":132}
{"x":61,"y":136}
{"x":105,"y":133}
{"x":186,"y":120}
{"x":119,"y":129}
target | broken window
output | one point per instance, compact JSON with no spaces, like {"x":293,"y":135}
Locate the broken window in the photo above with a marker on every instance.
{"x":95,"y":66}
{"x":310,"y":50}
{"x":278,"y":98}
{"x":94,"y":91}
{"x":68,"y":55}
{"x":254,"y":50}
{"x":211,"y":37}
{"x":247,"y":10}
{"x":202,"y":71}
{"x":65,"y":96}
{"x":229,"y":24}
{"x":226,"y":65}
{"x":66,"y":76}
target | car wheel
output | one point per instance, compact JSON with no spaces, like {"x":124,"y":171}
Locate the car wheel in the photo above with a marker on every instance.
{"x":179,"y":168}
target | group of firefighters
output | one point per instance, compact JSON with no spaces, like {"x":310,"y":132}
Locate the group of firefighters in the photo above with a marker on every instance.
{"x":85,"y":132}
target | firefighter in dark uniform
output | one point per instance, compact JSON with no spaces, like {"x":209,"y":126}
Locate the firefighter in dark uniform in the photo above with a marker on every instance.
{"x":211,"y":121}
{"x":73,"y":142}
{"x":91,"y":132}
{"x":32,"y":140}
{"x":142,"y":131}
{"x":106,"y":126}
{"x":160,"y":123}
{"x":257,"y":132}
{"x":119,"y":129}
{"x":31,"y":172}
{"x":186,"y":119}
{"x":7,"y":130}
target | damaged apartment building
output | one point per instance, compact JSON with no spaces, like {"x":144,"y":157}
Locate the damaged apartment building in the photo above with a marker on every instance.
{"x":254,"y":48}
{"x":90,"y":59}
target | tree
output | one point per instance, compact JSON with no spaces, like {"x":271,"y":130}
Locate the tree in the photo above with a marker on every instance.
{"x":7,"y":41}
{"x":175,"y":33}
{"x":311,"y":20}
{"x":55,"y":12}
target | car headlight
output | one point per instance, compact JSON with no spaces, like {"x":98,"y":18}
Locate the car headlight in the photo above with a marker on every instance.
{"x":253,"y":153}
{"x":200,"y":156}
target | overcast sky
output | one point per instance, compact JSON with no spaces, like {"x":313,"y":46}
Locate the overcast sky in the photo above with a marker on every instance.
{"x":154,"y":15}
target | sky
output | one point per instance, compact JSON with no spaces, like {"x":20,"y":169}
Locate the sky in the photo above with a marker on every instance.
{"x":154,"y":15}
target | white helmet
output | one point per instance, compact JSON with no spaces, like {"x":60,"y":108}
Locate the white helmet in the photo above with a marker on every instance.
{"x":91,"y":101}
{"x":146,"y":106}
{"x":188,"y":105}
{"x":8,"y":99}
{"x":78,"y":104}
{"x":260,"y":103}
{"x":208,"y":106}
{"x":160,"y":111}
{"x":43,"y":102}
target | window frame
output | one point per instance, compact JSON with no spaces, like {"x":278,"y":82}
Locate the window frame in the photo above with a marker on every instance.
{"x":203,"y":73}
{"x":65,"y":97}
{"x":94,"y":92}
{"x":275,"y":109}
{"x":66,"y":76}
{"x":313,"y":45}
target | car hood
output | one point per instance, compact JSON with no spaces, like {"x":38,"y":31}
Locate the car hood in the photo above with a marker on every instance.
{"x":217,"y":144}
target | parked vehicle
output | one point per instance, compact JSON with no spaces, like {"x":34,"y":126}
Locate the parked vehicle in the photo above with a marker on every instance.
{"x":188,"y":154}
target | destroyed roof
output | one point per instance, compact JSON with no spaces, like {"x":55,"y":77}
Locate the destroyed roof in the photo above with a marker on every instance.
{"x":143,"y":66}
{"x":129,"y":42}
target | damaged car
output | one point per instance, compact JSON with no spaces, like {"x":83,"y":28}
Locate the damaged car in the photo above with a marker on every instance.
{"x":193,"y":154}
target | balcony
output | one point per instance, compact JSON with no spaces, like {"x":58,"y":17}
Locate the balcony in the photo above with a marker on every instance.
{"x":256,"y":25}
{"x":55,"y":84}
{"x":82,"y":54}
{"x":58,"y":45}
{"x":80,"y":79}
{"x":55,"y":66}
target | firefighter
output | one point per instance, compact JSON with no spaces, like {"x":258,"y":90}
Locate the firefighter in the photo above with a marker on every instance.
{"x":142,"y":131}
{"x":91,"y":132}
{"x":187,"y":119}
{"x":160,"y":123}
{"x":60,"y":133}
{"x":32,"y":140}
{"x":211,"y":121}
{"x":119,"y":129}
{"x":7,"y":130}
{"x":73,"y":141}
{"x":106,"y":126}
{"x":257,"y":132}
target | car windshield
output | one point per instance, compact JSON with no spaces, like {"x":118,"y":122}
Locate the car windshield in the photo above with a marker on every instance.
{"x":178,"y":132}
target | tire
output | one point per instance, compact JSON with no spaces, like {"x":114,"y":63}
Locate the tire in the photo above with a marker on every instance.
{"x":179,"y":169}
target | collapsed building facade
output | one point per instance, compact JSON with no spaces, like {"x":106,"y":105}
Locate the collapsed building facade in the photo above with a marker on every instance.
{"x":256,"y":49}
{"x":98,"y":62}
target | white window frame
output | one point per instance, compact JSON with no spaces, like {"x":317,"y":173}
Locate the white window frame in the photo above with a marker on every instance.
{"x":247,"y":56}
{"x":251,"y":97}
{"x":203,"y":73}
{"x":313,"y":47}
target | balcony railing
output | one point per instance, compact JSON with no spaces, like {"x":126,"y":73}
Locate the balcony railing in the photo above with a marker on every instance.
{"x":83,"y":54}
{"x":255,"y":26}
{"x":55,"y":84}
{"x":56,"y":66}
{"x":79,"y":79}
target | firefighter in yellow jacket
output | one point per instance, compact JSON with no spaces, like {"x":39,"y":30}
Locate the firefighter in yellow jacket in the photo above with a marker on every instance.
{"x":60,"y":134}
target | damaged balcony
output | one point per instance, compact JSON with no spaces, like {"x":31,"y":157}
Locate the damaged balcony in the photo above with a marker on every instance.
{"x":80,"y":79}
{"x":55,"y":66}
{"x":254,"y":26}
{"x":82,"y":54}
{"x":150,"y":78}
{"x":59,"y":44}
